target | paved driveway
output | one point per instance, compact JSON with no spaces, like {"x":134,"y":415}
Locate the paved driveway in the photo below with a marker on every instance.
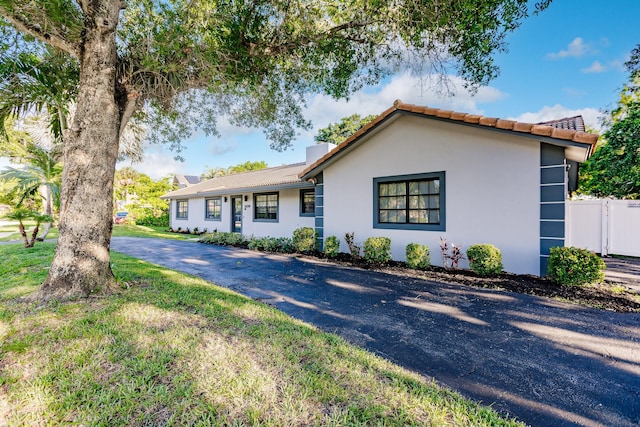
{"x":545,"y":362}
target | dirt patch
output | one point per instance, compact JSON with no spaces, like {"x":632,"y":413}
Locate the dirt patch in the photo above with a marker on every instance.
{"x":610,"y":295}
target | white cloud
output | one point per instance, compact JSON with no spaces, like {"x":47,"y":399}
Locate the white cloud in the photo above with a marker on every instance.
{"x":156,"y":164}
{"x":596,"y":67}
{"x":575,"y":49}
{"x":218,"y":147}
{"x":590,"y":115}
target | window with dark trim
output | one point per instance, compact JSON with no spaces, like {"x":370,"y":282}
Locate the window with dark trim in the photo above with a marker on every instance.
{"x":182,"y":209}
{"x":265,"y":207}
{"x":410,"y":202}
{"x":307,"y":202}
{"x":213,"y":209}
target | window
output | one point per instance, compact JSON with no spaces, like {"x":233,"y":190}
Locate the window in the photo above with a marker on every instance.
{"x":213,"y":209}
{"x":265,"y":207}
{"x":182,"y":209}
{"x":410,"y":202}
{"x":307,"y":202}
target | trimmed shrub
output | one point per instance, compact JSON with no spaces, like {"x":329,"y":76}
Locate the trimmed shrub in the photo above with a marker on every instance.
{"x":304,"y":239}
{"x":570,"y":266}
{"x":418,"y":256}
{"x":377,"y":250}
{"x":354,"y":248}
{"x":225,"y":239}
{"x":331,"y":246}
{"x":485,"y":259}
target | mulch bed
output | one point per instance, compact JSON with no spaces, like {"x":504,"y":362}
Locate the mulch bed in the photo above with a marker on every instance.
{"x":599,"y":296}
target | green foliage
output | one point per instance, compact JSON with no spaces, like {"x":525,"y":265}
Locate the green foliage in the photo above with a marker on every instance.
{"x":304,"y":240}
{"x":570,"y":266}
{"x":331,"y":246}
{"x":418,"y":256}
{"x":614,"y":169}
{"x":239,"y":168}
{"x":140,"y":196}
{"x":354,"y":248}
{"x":485,"y":259}
{"x":271,"y":244}
{"x":147,"y":216}
{"x":225,"y":239}
{"x":377,"y":250}
{"x":336,"y":133}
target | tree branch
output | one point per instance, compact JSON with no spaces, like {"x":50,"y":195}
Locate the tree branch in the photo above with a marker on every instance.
{"x":50,"y":37}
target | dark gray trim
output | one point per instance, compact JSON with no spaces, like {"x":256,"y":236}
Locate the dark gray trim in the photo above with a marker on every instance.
{"x":552,"y":211}
{"x":319,"y":221}
{"x":552,"y":175}
{"x":177,"y":210}
{"x":413,"y":177}
{"x":552,"y":228}
{"x":277,"y":206}
{"x":206,"y":218}
{"x":301,"y":204}
{"x":553,"y":193}
{"x":261,"y":189}
{"x":547,"y":243}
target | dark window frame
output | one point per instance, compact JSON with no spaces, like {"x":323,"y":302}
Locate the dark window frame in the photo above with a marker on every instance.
{"x":302,"y":204}
{"x":441,"y":226}
{"x":186,"y":210}
{"x":206,"y":209}
{"x":255,"y":207}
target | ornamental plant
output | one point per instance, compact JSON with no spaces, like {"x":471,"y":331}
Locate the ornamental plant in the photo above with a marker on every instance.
{"x":331,"y":246}
{"x":304,"y":239}
{"x":485,"y":259}
{"x":571,"y":266}
{"x":418,"y":256}
{"x":354,"y":248}
{"x":377,"y":250}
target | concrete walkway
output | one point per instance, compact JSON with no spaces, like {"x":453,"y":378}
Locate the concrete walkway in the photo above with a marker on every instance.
{"x":545,"y":362}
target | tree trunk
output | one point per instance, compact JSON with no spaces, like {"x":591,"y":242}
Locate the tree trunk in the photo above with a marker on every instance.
{"x":47,"y":209}
{"x":81,"y":262}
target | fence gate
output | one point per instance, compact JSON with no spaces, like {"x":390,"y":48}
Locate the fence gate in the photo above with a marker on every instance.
{"x":604,"y":226}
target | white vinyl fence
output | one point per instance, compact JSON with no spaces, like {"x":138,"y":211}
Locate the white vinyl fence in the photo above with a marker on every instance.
{"x":604,"y":226}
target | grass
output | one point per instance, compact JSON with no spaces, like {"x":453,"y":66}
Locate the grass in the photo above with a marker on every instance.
{"x":171,"y":349}
{"x":119,"y":230}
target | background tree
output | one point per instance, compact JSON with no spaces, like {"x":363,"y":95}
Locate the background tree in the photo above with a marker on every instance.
{"x":241,"y":167}
{"x":188,"y":62}
{"x":614,"y":169}
{"x":336,"y":133}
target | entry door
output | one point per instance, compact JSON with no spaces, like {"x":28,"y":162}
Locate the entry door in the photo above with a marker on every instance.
{"x":236,"y":214}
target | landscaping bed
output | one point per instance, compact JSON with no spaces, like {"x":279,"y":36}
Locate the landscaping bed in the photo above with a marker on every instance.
{"x":606,"y":296}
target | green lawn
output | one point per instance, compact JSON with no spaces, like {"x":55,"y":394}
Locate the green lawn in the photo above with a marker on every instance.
{"x":171,"y":349}
{"x":118,"y":230}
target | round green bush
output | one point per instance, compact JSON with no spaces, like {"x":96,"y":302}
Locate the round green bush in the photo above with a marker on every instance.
{"x":304,"y":239}
{"x":418,"y":256}
{"x":331,"y":246}
{"x":485,"y":259}
{"x":377,"y":250}
{"x":571,"y":266}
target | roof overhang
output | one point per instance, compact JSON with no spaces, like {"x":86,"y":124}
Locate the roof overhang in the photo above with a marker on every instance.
{"x":241,"y":190}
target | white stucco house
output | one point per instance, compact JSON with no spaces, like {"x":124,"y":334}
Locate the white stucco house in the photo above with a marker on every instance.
{"x":414,"y":174}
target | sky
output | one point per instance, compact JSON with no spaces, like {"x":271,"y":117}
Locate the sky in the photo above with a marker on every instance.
{"x":568,"y":60}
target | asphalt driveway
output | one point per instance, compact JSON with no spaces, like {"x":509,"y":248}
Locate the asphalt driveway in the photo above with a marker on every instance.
{"x":544,"y":362}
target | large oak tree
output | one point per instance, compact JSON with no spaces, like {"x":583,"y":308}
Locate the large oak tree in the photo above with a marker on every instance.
{"x":184,"y":63}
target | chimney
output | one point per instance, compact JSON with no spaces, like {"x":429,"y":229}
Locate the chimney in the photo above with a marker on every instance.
{"x":316,"y":151}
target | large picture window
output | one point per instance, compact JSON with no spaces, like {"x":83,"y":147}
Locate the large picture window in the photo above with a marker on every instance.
{"x":182,"y":209}
{"x":265,"y":207}
{"x":410,"y":202}
{"x":307,"y":202}
{"x":213,"y":209}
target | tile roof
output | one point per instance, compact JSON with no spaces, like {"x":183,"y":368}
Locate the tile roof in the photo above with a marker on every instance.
{"x":564,"y":129}
{"x":572,"y":123}
{"x":276,"y":177}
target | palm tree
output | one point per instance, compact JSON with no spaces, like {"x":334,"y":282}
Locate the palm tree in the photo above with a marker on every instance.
{"x":21,"y":215}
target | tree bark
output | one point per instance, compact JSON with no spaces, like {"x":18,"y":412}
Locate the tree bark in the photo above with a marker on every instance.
{"x":47,"y":209}
{"x":81,"y":263}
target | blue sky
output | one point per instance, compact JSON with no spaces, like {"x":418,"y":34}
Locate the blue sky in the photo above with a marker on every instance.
{"x":566,"y":61}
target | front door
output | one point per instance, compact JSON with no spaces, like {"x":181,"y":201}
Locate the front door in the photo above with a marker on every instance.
{"x":236,"y":214}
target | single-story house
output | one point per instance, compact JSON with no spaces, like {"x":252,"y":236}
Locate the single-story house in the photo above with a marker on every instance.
{"x":414,"y":174}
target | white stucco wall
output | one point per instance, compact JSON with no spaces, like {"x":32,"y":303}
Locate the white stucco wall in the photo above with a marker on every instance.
{"x":288,"y":216}
{"x":492,"y":188}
